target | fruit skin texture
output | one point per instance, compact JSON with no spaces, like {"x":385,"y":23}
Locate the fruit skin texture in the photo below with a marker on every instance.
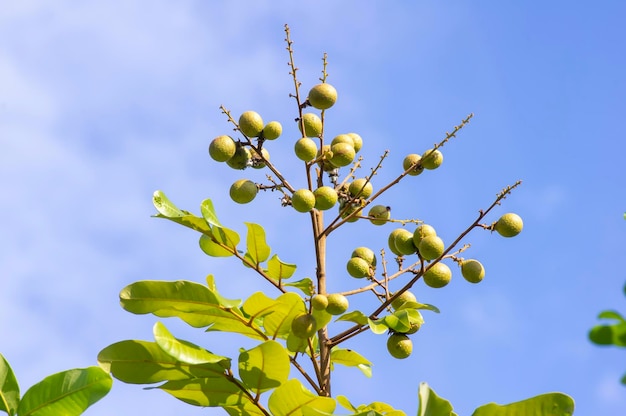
{"x":403,"y":241}
{"x":356,"y":185}
{"x":438,"y":275}
{"x":305,"y":149}
{"x":323,"y":96}
{"x":399,"y":346}
{"x":257,"y":161}
{"x":304,"y":326}
{"x":343,"y":154}
{"x":509,"y":225}
{"x":380,"y":214}
{"x":319,"y":302}
{"x":303,"y":200}
{"x":251,"y":124}
{"x":241,"y":158}
{"x":272,"y":130}
{"x":325,"y":197}
{"x":352,"y":208}
{"x":337,"y":304}
{"x":391,"y":241}
{"x":357,"y":267}
{"x":404,"y":297}
{"x":432,"y":159}
{"x":409,"y":161}
{"x":431,"y":247}
{"x":222,"y":148}
{"x":366,"y":254}
{"x":422,"y":231}
{"x":243,"y":191}
{"x":358,"y":141}
{"x":312,"y":125}
{"x":472,"y":270}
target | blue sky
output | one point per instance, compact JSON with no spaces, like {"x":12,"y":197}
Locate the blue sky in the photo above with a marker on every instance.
{"x":103,"y":103}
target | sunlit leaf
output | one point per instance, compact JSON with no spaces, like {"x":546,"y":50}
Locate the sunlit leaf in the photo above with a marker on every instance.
{"x":277,"y":269}
{"x":232,"y":320}
{"x":247,"y":409}
{"x":417,"y":305}
{"x":9,"y":388}
{"x":143,"y":362}
{"x":264,"y":367}
{"x":225,"y":237}
{"x":322,"y":318}
{"x":213,"y":249}
{"x":208,"y":392}
{"x":292,"y":396}
{"x":611,"y":315}
{"x":378,"y":408}
{"x":357,"y":317}
{"x":343,"y":401}
{"x":185,"y":351}
{"x":258,"y":305}
{"x":289,"y":306}
{"x":164,"y":206}
{"x":378,"y":326}
{"x":67,"y":393}
{"x":432,"y":405}
{"x":227,"y":303}
{"x":257,"y":249}
{"x":557,"y":404}
{"x":351,"y":358}
{"x":305,"y":285}
{"x":208,"y":213}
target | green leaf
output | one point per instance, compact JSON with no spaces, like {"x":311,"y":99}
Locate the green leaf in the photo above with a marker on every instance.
{"x":264,"y":367}
{"x":9,"y":388}
{"x":247,"y":409}
{"x":290,"y":398}
{"x":212,"y":248}
{"x":611,"y":315}
{"x":426,"y":306}
{"x":258,"y":305}
{"x":609,"y":335}
{"x":351,"y":358}
{"x":67,"y":393}
{"x":143,"y":362}
{"x":208,"y":392}
{"x":258,"y":250}
{"x":557,"y":404}
{"x":164,"y":206}
{"x":357,"y":317}
{"x":305,"y":285}
{"x":278,"y":270}
{"x":185,"y":351}
{"x":432,"y":405}
{"x":227,"y":303}
{"x":289,"y":305}
{"x":378,"y":326}
{"x":225,"y":237}
{"x":322,"y":318}
{"x":169,"y":211}
{"x":208,"y":213}
{"x":343,"y":401}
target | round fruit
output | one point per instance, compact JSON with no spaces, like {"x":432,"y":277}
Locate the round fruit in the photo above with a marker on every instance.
{"x":432,"y":159}
{"x":352,"y":208}
{"x":312,"y":125}
{"x":325,"y":197}
{"x":403,"y":241}
{"x":404,"y":297}
{"x":357,"y":267}
{"x":379,"y":214}
{"x":509,"y":225}
{"x":343,"y":154}
{"x":438,"y":275}
{"x":241,"y":158}
{"x":391,"y":241}
{"x":337,"y":304}
{"x":222,"y":148}
{"x":304,"y":326}
{"x":358,"y":141}
{"x":399,"y":346}
{"x":272,"y":130}
{"x":343,"y":138}
{"x":431,"y":247}
{"x":251,"y":124}
{"x":472,"y":270}
{"x":305,"y":149}
{"x":411,"y":160}
{"x":319,"y":302}
{"x":243,"y":191}
{"x":361,"y":188}
{"x":303,"y":200}
{"x":366,"y":254}
{"x":258,"y":162}
{"x":322,"y":96}
{"x":422,"y":231}
{"x":414,"y":328}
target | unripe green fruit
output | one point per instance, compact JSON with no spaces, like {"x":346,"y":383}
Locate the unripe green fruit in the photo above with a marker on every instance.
{"x":391,"y":241}
{"x":303,"y":200}
{"x":414,"y":328}
{"x":304,"y":326}
{"x":222,"y":148}
{"x":243,"y":191}
{"x":251,"y":124}
{"x":432,"y":159}
{"x":411,"y":160}
{"x":272,"y":130}
{"x":399,"y":346}
{"x":421,"y":232}
{"x":305,"y":149}
{"x":319,"y":302}
{"x":357,"y":267}
{"x":431,"y":247}
{"x":343,"y":138}
{"x":323,"y":96}
{"x":403,"y":241}
{"x":366,"y":254}
{"x":358,"y":141}
{"x":312,"y":125}
{"x":509,"y":225}
{"x":438,"y":275}
{"x":361,"y":188}
{"x":241,"y":159}
{"x":472,"y":270}
{"x":404,"y":297}
{"x":379,"y":214}
{"x":350,"y":210}
{"x":325,"y":197}
{"x":337,"y":304}
{"x":257,"y":161}
{"x":343,"y":154}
